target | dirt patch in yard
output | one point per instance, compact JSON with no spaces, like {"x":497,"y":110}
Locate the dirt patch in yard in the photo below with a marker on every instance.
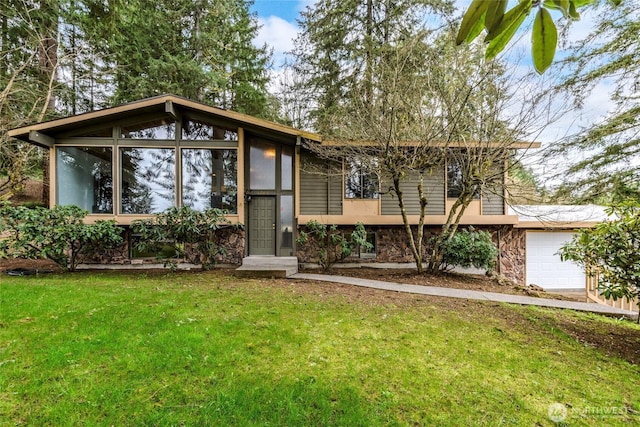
{"x":617,"y":340}
{"x":32,"y":265}
{"x":611,"y":339}
{"x":31,"y":193}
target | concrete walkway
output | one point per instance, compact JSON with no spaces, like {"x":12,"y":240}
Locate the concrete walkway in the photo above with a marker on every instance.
{"x":468,"y":294}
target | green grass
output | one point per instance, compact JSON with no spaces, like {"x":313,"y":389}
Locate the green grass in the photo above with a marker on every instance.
{"x":209,"y":349}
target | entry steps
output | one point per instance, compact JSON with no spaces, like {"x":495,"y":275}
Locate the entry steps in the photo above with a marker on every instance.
{"x":267,"y":266}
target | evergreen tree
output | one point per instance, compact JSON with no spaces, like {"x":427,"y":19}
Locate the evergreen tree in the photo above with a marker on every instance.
{"x":197,"y":49}
{"x":62,"y":57}
{"x":342,"y":40}
{"x":609,"y":150}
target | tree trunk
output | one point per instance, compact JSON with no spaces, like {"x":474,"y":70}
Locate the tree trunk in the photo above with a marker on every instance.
{"x":416,"y":247}
{"x":48,"y":61}
{"x":448,"y":230}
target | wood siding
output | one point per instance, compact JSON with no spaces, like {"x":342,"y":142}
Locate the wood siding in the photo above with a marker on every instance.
{"x":320,"y":190}
{"x":335,"y":193}
{"x":492,"y":204}
{"x":434,"y":190}
{"x":493,"y":201}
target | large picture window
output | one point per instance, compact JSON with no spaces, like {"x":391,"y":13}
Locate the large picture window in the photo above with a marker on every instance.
{"x":148,"y":180}
{"x":359,"y":181}
{"x":209,"y":179}
{"x":86,"y":177}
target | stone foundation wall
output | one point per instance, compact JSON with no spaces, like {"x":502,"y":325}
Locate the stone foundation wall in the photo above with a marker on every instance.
{"x":392,"y":245}
{"x":232,"y":239}
{"x":308,"y":252}
{"x":117,"y":255}
{"x":512,"y":252}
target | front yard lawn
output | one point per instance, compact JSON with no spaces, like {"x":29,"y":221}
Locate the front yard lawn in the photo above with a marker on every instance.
{"x":206,"y":348}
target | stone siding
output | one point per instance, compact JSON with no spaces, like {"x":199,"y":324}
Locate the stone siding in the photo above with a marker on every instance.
{"x":232,"y":239}
{"x":512,"y":252}
{"x":392,"y":245}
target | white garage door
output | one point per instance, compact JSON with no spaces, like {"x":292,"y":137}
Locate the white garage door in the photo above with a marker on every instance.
{"x":544,"y":267}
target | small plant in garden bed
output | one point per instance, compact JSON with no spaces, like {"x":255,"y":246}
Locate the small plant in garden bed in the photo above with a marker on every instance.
{"x":469,"y":248}
{"x":333,"y":245}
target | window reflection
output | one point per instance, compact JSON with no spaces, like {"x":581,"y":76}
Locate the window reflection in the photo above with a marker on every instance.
{"x":286,"y":221}
{"x":196,"y":130}
{"x":209,"y":179}
{"x":287,"y":168}
{"x":262,"y":175}
{"x":456,"y":182}
{"x":148,"y":180}
{"x":85,"y":178}
{"x":156,"y":129}
{"x":360,"y":182}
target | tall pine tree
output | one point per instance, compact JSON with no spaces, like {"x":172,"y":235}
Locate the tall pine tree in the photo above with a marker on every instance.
{"x":609,"y":149}
{"x":342,"y":40}
{"x":198,"y":49}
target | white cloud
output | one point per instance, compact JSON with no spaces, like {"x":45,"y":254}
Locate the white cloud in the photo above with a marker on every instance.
{"x":279,"y":35}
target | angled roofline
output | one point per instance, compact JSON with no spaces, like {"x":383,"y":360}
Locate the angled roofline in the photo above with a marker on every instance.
{"x":37,"y":133}
{"x":24,"y":132}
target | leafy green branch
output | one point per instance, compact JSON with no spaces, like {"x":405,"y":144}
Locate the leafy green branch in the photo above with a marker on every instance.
{"x":612,"y":250}
{"x":193,"y":235}
{"x":501,"y":25}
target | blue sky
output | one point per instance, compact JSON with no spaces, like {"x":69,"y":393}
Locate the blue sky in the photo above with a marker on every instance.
{"x":285,"y":9}
{"x":277,"y":19}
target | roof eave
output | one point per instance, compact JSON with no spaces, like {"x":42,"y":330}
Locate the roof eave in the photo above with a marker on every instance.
{"x":23,"y":133}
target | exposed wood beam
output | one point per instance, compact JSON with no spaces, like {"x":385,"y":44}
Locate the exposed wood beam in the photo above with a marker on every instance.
{"x":41,"y":139}
{"x":170,"y":108}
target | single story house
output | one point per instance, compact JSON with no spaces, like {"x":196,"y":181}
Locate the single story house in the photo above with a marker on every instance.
{"x":135,"y":160}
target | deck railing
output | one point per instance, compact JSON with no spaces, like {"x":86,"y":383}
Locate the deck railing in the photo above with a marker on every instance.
{"x":593,"y":294}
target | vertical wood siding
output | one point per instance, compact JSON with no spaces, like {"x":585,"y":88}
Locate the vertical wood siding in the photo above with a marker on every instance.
{"x":492,"y":204}
{"x":335,"y":191}
{"x":434,"y":190}
{"x":320,"y":188}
